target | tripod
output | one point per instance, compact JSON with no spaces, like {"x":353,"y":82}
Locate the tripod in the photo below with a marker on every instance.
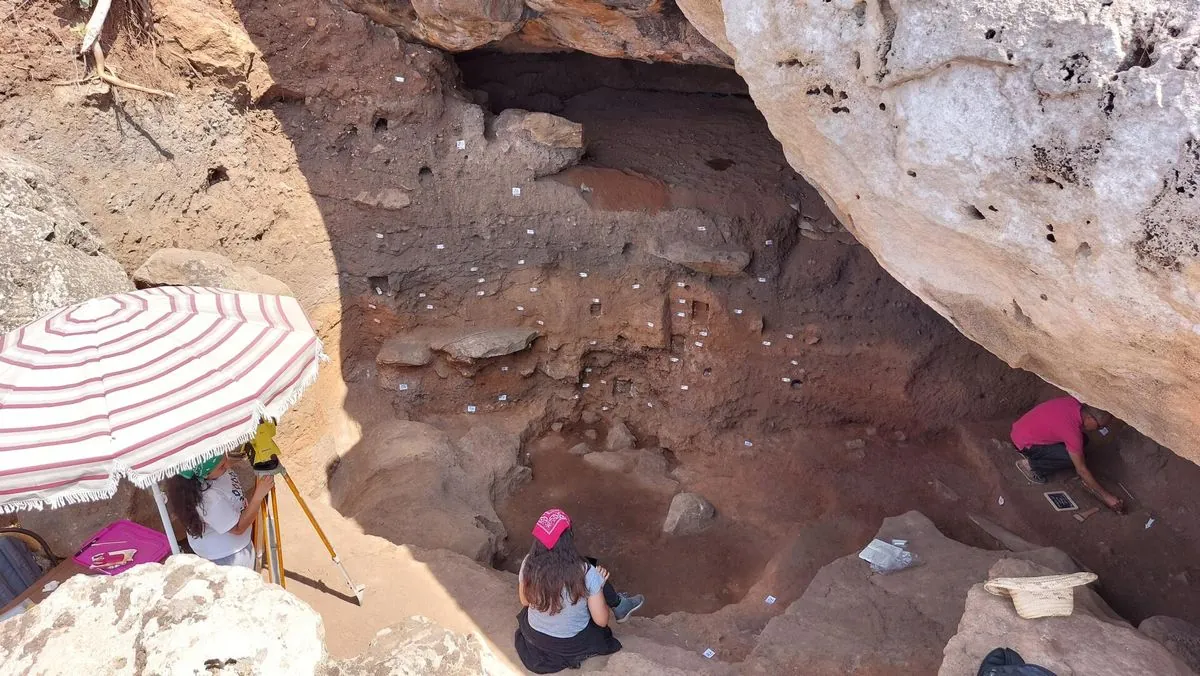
{"x":268,"y":539}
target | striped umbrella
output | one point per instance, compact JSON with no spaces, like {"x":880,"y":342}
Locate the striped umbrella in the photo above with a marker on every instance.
{"x":143,"y":385}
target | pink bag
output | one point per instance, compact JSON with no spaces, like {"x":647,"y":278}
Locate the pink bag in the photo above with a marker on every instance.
{"x":122,"y":545}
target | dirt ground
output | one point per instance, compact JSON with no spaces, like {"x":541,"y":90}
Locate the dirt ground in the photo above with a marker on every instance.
{"x":826,"y":349}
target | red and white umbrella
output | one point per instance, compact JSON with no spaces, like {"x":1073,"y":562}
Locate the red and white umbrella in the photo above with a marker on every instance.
{"x":143,"y":385}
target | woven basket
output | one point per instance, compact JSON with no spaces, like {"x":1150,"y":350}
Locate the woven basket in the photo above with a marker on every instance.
{"x":1046,"y":596}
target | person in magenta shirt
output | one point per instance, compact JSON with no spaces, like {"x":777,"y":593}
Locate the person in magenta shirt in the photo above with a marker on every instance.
{"x":1052,"y":437}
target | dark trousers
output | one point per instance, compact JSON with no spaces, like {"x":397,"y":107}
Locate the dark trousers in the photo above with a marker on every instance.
{"x":1045,"y":461}
{"x":611,"y":597}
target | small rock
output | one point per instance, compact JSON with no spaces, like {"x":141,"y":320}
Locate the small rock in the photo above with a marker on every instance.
{"x":589,"y":417}
{"x":591,"y":434}
{"x":721,"y":262}
{"x":689,"y":513}
{"x":391,"y":199}
{"x":855,"y":444}
{"x":311,"y":21}
{"x":619,"y":437}
{"x":812,"y":340}
{"x":545,"y":143}
{"x":556,"y":426}
{"x":580,"y":449}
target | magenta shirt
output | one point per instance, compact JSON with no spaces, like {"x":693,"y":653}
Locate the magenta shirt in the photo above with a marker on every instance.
{"x":1058,"y":421}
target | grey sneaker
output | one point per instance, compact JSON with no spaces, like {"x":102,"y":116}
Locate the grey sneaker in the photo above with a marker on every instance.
{"x":1032,"y":476}
{"x":628,"y":605}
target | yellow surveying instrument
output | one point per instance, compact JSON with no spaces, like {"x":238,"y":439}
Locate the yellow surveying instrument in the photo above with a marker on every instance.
{"x":263,"y":454}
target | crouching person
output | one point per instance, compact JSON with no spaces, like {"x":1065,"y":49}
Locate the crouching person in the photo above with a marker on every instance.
{"x":568,"y":602}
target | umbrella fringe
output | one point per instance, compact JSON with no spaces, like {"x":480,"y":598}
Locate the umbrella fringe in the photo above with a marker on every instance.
{"x":78,"y":497}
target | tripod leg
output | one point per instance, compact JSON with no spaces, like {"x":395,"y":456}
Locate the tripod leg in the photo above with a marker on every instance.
{"x":358,"y":590}
{"x":257,"y":538}
{"x":266,"y":540}
{"x":278,"y":539}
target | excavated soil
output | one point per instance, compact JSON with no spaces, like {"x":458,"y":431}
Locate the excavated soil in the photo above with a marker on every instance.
{"x":848,"y":388}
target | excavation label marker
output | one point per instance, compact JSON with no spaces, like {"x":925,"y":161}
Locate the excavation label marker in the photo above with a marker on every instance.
{"x":470,"y":408}
{"x":402,"y":386}
{"x":770,"y":600}
{"x":462,"y":145}
{"x":709,"y":653}
{"x":516,"y":192}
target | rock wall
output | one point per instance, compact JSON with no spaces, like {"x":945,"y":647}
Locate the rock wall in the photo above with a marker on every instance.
{"x":1029,"y":170}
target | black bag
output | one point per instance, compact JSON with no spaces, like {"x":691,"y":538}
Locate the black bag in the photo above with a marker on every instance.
{"x":1007,"y":662}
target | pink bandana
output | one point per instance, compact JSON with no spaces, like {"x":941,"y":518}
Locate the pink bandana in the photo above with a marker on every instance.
{"x":550,"y":526}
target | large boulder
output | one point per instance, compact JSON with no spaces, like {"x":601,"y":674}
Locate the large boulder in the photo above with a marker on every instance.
{"x":545,"y":143}
{"x":484,"y":343}
{"x":689,"y":513}
{"x":1029,"y":170}
{"x":723,"y":261}
{"x":178,"y":267}
{"x":186,"y":616}
{"x":647,"y":30}
{"x":1180,"y":637}
{"x":420,"y":647}
{"x":410,"y":483}
{"x":851,"y":620}
{"x":1090,"y":641}
{"x":51,"y":257}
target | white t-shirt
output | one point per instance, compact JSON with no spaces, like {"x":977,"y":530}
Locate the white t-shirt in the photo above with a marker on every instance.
{"x":221,"y":506}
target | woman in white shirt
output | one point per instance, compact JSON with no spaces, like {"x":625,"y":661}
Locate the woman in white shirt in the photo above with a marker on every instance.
{"x":209,"y":502}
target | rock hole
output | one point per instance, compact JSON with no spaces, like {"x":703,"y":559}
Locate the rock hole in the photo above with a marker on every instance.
{"x":789,"y":63}
{"x":1044,"y":297}
{"x":1084,"y":250}
{"x":378,"y":285}
{"x":1050,"y":238}
{"x":699,"y":311}
{"x":49,"y":236}
{"x":883,"y":106}
{"x":707,"y":372}
{"x":216,"y":175}
{"x":1050,"y":227}
{"x":380,"y":124}
{"x":424,"y":175}
{"x":796,"y":384}
{"x":911,"y":173}
{"x":991,"y":33}
{"x":974,"y":213}
{"x":992,"y":208}
{"x":719,"y":163}
{"x":622,"y":386}
{"x":594,"y":309}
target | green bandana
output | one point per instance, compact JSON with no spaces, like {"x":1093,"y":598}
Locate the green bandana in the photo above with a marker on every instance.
{"x":203,"y":468}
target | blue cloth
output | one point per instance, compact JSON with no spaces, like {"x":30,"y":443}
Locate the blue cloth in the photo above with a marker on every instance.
{"x":573,"y":618}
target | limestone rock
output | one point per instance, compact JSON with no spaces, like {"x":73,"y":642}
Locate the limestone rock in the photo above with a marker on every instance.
{"x":211,"y":42}
{"x":852,"y":621}
{"x":619,"y":437}
{"x":491,"y":458}
{"x":647,"y":467}
{"x":1083,"y":643}
{"x":388,"y":198}
{"x":485,"y":343}
{"x":709,"y":19}
{"x":51,"y":258}
{"x":179,"y":267}
{"x":173,"y":618}
{"x":689,"y":513}
{"x":419,"y":647}
{"x":721,"y":262}
{"x":1034,"y":182}
{"x":546,"y":143}
{"x":404,"y":351}
{"x":640,"y":29}
{"x":1180,"y":637}
{"x":581,"y":448}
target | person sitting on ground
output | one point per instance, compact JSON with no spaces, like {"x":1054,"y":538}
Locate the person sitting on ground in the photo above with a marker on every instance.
{"x":209,"y":502}
{"x":568,"y":603}
{"x":1051,"y":437}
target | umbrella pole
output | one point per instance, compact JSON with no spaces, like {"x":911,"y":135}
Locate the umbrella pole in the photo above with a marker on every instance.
{"x":166,"y":518}
{"x":357,"y":589}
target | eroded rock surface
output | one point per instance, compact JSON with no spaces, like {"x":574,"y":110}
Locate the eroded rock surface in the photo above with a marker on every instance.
{"x":718,"y":261}
{"x":1089,"y":641}
{"x":689,"y":513}
{"x":546,"y":143}
{"x":1180,"y":637}
{"x":176,"y":618}
{"x":1034,"y":181}
{"x":203,"y":268}
{"x":51,"y":257}
{"x":853,"y":621}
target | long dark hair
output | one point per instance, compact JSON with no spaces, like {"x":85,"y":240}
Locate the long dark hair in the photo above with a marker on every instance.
{"x":549,"y":571}
{"x":183,"y":495}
